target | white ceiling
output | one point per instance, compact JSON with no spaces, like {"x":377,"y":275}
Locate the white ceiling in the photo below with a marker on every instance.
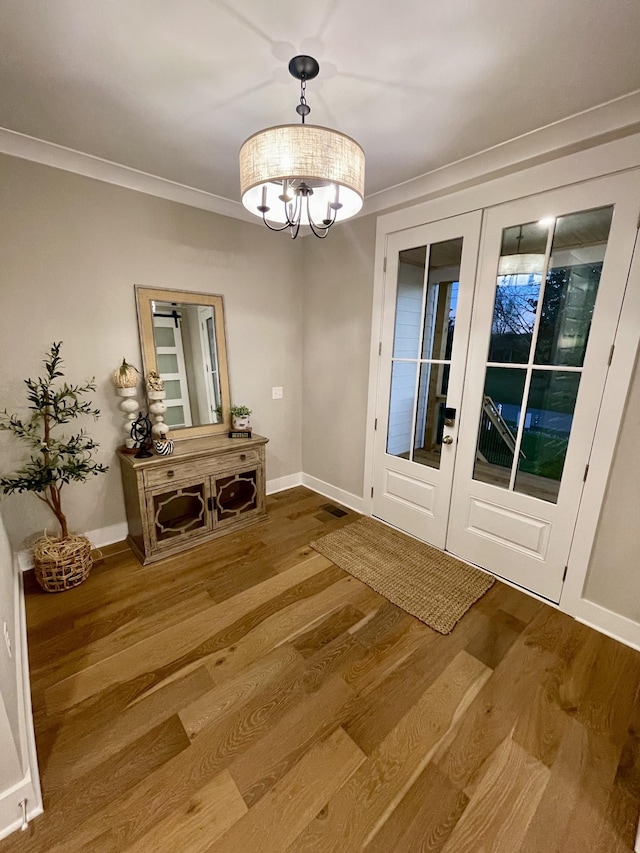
{"x":173,"y":88}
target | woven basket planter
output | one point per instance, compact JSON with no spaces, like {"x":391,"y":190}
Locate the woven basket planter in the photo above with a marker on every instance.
{"x":62,"y":563}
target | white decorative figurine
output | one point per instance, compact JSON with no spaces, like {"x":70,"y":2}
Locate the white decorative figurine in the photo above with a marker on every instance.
{"x":125,"y":378}
{"x":157,"y":407}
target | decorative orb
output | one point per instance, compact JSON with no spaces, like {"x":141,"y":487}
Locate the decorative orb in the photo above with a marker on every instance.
{"x":158,"y":408}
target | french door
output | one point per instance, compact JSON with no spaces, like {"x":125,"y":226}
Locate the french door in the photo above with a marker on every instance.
{"x":483,"y":441}
{"x":427,"y":315}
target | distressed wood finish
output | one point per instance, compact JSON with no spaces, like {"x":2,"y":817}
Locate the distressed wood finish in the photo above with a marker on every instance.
{"x":196,"y":464}
{"x":251,"y":696}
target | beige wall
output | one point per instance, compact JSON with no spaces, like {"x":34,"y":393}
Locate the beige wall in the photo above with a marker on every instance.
{"x":337,"y":333}
{"x":71,"y":250}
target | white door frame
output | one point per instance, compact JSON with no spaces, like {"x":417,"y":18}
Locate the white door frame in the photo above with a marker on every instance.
{"x":610,"y":158}
{"x":614,"y":400}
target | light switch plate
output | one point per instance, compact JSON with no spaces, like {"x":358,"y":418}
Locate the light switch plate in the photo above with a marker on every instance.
{"x":276,"y":393}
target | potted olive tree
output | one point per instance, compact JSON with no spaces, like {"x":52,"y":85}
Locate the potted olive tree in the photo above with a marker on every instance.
{"x":64,"y":561}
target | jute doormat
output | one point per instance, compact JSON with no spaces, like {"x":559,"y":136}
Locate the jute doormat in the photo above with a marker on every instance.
{"x":433,"y":586}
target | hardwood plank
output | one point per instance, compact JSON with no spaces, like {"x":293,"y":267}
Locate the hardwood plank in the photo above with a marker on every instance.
{"x":381,"y":709}
{"x":278,"y":818}
{"x":355,"y":813}
{"x":133,"y":627}
{"x":541,"y":723}
{"x":73,"y":755}
{"x":289,"y":622}
{"x":506,"y":696}
{"x":327,"y":630}
{"x":185,"y":638}
{"x":204,"y":817}
{"x":259,"y":768}
{"x":141,"y":806}
{"x":503,"y":804}
{"x":227,"y":698}
{"x":573,"y":806}
{"x":495,"y":638}
{"x":69,"y":807}
{"x":422,"y":821}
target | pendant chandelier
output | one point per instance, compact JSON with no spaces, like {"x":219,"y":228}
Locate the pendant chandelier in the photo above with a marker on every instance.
{"x":302,"y":174}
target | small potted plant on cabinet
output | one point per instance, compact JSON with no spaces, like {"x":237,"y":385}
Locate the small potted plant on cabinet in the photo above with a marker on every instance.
{"x":64,"y":561}
{"x":241,"y":418}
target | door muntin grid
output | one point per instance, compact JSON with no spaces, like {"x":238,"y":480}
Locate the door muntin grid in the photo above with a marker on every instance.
{"x":424,"y":328}
{"x":543,"y":308}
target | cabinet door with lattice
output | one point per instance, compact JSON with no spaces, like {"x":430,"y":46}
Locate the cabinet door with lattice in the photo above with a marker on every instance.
{"x":179,"y":513}
{"x":237,"y":495}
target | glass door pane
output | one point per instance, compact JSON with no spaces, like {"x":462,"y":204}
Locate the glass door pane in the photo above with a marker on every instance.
{"x":546,"y":288}
{"x":425,"y":316}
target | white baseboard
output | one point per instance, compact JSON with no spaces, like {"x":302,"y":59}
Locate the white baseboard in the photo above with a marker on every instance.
{"x":339,"y":495}
{"x":279,"y":484}
{"x":613,"y":625}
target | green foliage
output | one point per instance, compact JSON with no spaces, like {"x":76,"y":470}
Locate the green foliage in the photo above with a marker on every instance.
{"x":240,"y":411}
{"x":55,"y":460}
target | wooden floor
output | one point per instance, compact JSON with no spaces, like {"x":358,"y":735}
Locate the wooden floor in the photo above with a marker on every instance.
{"x":253,"y":697}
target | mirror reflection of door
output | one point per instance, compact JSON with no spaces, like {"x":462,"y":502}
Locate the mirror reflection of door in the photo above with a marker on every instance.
{"x":187,"y":359}
{"x":171,"y":364}
{"x":211,"y":370}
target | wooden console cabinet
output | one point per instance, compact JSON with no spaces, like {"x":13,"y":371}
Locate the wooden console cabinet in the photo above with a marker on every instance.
{"x":208,"y":487}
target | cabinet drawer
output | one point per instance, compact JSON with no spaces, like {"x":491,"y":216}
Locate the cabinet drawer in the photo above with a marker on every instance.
{"x":181,"y":471}
{"x":241,"y":459}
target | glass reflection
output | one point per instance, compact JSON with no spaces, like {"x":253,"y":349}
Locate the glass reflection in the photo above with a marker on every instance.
{"x":441,"y":301}
{"x":187,"y":360}
{"x":498,"y":429}
{"x":562,"y":321}
{"x":425,"y":316}
{"x":410,"y":286}
{"x":403,"y":389}
{"x":547,"y":427}
{"x":577,"y":256}
{"x":429,"y":425}
{"x":520,"y":271}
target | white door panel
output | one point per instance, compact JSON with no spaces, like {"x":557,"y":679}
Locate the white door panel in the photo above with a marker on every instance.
{"x":546,"y":308}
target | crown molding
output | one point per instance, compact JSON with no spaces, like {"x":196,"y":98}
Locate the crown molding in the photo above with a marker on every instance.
{"x":613,"y":120}
{"x":604,"y":123}
{"x":59,"y":157}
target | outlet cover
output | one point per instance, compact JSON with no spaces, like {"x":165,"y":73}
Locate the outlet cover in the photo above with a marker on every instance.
{"x":276,"y":393}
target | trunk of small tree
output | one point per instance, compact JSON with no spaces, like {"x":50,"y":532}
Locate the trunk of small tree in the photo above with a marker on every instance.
{"x":57,"y":511}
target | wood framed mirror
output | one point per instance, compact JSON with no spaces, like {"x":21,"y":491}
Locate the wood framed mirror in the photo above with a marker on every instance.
{"x":183,"y":338}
